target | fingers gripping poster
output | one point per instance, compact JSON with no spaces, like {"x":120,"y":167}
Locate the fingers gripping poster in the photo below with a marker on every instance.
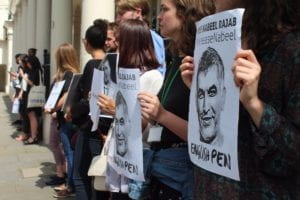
{"x":214,"y":97}
{"x":126,"y":149}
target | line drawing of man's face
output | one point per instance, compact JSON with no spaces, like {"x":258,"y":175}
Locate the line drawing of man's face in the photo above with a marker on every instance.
{"x":210,"y":95}
{"x":121,"y":125}
{"x":106,"y":70}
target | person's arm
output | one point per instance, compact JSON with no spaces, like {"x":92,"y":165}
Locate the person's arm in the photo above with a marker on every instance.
{"x":106,"y":104}
{"x":278,"y":127}
{"x":28,"y":81}
{"x":246,"y":70}
{"x":153,"y":110}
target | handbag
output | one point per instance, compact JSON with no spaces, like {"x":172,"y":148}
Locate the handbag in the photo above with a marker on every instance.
{"x":99,"y":165}
{"x":36,"y":96}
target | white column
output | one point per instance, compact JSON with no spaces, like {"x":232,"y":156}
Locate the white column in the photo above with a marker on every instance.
{"x":91,"y":11}
{"x":43,"y":27}
{"x":9,"y":26}
{"x":31,"y":23}
{"x":61,"y":27}
{"x":24,"y":26}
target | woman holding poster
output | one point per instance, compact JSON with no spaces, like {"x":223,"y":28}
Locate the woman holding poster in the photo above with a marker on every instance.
{"x":170,"y":166}
{"x":89,"y":143}
{"x":268,"y":76}
{"x":66,"y":65}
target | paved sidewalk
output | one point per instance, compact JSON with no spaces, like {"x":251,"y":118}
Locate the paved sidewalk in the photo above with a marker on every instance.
{"x":23,"y":169}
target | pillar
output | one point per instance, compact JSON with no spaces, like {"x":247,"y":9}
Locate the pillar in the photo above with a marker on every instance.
{"x":31,"y":24}
{"x":43,"y":26}
{"x":91,"y":10}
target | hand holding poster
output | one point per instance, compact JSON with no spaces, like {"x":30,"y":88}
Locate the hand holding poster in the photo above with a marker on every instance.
{"x":97,"y":88}
{"x":213,"y":124}
{"x":109,"y":66}
{"x":54,"y":94}
{"x":126,"y":149}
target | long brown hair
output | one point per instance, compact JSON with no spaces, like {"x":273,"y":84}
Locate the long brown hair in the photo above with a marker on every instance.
{"x":267,"y":21}
{"x":189,"y":11}
{"x":136,"y":46}
{"x":66,"y":60}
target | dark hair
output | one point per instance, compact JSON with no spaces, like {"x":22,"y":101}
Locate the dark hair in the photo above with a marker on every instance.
{"x":189,"y":11}
{"x":17,"y":55}
{"x":211,"y":57}
{"x":120,"y":101}
{"x":266,"y":22}
{"x":35,"y":63}
{"x":96,"y":34}
{"x":136,"y":46}
{"x":32,"y":50}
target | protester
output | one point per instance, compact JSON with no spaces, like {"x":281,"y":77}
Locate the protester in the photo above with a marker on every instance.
{"x":89,"y":144}
{"x":66,"y":65}
{"x":135,"y":33}
{"x":111,"y":44}
{"x":170,"y":167}
{"x":16,"y":81}
{"x":23,"y":101}
{"x":32,"y":78}
{"x":267,"y":72}
{"x":140,"y":9}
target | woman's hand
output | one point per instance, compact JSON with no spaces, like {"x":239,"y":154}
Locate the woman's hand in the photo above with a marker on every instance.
{"x":187,"y":70}
{"x":106,"y":104}
{"x":68,"y":114}
{"x":150,"y":106}
{"x":246,"y":70}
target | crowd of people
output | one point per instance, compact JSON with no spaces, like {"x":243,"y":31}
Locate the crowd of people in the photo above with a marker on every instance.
{"x":266,"y":70}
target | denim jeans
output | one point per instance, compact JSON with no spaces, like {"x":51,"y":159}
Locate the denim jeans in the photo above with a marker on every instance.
{"x":66,"y":135}
{"x":87,"y":146}
{"x":170,"y":166}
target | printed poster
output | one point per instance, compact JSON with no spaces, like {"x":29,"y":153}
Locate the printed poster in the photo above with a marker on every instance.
{"x":54,"y":94}
{"x":214,"y":97}
{"x":126,"y":148}
{"x":97,"y":88}
{"x":109,"y":66}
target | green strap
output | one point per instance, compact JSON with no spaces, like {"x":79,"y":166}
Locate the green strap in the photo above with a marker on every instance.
{"x":167,"y":87}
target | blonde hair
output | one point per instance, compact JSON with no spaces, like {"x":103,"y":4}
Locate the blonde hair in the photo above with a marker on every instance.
{"x":66,"y":60}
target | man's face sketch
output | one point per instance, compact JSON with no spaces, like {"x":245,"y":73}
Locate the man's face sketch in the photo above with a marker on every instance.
{"x":210,"y":96}
{"x":106,"y":70}
{"x":121,"y":125}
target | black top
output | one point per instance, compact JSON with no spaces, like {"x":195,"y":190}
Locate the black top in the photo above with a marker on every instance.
{"x":67,"y":78}
{"x":80,"y":111}
{"x":176,"y":102}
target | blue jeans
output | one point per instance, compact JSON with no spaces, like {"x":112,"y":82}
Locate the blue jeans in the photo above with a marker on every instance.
{"x":66,"y":135}
{"x":170,"y":166}
{"x":87,"y":146}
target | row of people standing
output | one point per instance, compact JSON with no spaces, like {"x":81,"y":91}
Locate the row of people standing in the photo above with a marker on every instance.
{"x":268,"y":126}
{"x":268,"y":122}
{"x":29,"y":73}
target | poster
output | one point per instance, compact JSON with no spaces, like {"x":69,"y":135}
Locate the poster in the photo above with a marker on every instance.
{"x":109,"y":66}
{"x":214,"y":97}
{"x":15,"y":106}
{"x":126,"y":149}
{"x":97,"y":88}
{"x":54,"y":94}
{"x":72,"y":96}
